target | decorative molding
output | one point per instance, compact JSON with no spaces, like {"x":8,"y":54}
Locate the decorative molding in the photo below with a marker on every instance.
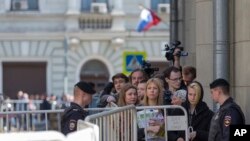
{"x":87,"y":36}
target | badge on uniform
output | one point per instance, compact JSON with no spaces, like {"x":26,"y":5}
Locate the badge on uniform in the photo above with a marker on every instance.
{"x":227,"y":121}
{"x":72,"y":124}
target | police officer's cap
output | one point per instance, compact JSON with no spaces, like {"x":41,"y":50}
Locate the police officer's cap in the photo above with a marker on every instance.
{"x":86,"y":87}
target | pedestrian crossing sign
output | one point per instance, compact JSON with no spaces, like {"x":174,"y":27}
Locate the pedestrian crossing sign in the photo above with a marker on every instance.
{"x":132,"y":60}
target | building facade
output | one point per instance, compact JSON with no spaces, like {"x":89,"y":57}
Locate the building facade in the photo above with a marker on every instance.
{"x":197,"y":31}
{"x":46,"y":46}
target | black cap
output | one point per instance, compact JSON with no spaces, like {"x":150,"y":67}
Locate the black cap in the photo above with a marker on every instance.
{"x":86,"y":87}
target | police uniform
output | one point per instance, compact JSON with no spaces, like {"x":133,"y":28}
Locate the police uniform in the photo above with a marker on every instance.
{"x":75,"y":112}
{"x":228,"y":114}
{"x":70,"y":117}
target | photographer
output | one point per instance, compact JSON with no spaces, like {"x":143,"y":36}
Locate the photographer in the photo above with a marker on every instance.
{"x":174,"y":52}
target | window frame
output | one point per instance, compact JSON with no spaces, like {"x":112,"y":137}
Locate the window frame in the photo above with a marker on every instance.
{"x":32,"y":5}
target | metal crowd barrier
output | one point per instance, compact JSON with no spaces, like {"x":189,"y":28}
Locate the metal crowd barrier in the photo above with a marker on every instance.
{"x":115,"y":124}
{"x":39,"y":120}
{"x":29,"y":120}
{"x":119,"y":124}
{"x":176,"y":122}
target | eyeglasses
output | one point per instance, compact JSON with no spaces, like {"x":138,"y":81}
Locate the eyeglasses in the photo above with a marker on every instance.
{"x":176,"y":79}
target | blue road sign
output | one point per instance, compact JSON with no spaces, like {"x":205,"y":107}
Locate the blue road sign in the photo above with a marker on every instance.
{"x":132,"y":60}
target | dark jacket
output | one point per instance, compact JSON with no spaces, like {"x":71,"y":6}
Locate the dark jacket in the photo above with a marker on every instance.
{"x":107,"y":91}
{"x":229,"y":114}
{"x":45,"y":105}
{"x":103,"y":100}
{"x":70,"y":117}
{"x":200,"y":119}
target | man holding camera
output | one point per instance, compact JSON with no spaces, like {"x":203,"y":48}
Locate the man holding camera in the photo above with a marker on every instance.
{"x":173,"y":77}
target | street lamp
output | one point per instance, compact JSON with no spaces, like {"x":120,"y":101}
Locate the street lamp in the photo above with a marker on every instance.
{"x":69,"y":43}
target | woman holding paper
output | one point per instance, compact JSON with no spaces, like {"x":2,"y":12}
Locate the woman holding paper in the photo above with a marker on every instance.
{"x":153,"y":129}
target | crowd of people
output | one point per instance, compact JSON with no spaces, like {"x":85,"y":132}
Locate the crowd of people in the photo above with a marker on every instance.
{"x":32,"y":102}
{"x":28,"y":102}
{"x":175,"y":86}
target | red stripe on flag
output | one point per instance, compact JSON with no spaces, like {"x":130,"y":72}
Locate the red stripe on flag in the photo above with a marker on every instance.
{"x":155,"y":20}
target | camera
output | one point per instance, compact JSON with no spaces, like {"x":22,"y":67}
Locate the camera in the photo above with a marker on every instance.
{"x":171,"y":48}
{"x":146,"y":67}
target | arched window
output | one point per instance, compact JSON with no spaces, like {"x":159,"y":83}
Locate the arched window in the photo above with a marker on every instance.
{"x":96,"y":72}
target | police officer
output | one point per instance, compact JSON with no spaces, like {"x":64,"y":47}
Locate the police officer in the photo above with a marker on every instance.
{"x":229,"y":113}
{"x":82,"y":96}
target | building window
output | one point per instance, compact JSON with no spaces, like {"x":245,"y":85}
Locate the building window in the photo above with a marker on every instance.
{"x":96,"y":72}
{"x":24,"y":5}
{"x":154,"y":4}
{"x":98,"y":6}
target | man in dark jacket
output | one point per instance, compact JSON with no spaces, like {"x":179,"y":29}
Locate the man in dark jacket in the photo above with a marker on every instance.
{"x":82,"y":96}
{"x":229,"y":113}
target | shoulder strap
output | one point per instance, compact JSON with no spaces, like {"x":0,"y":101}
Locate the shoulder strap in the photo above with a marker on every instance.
{"x":235,"y":106}
{"x":231,"y":105}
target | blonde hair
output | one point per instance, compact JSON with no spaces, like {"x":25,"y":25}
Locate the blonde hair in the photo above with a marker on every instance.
{"x":198,"y":89}
{"x":158,"y":82}
{"x":122,"y":94}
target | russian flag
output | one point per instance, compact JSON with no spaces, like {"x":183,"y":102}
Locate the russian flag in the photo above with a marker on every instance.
{"x":147,"y":19}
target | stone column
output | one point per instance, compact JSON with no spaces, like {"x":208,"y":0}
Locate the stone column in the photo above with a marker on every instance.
{"x":5,"y":6}
{"x":72,"y":15}
{"x":74,"y":7}
{"x":118,"y":14}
